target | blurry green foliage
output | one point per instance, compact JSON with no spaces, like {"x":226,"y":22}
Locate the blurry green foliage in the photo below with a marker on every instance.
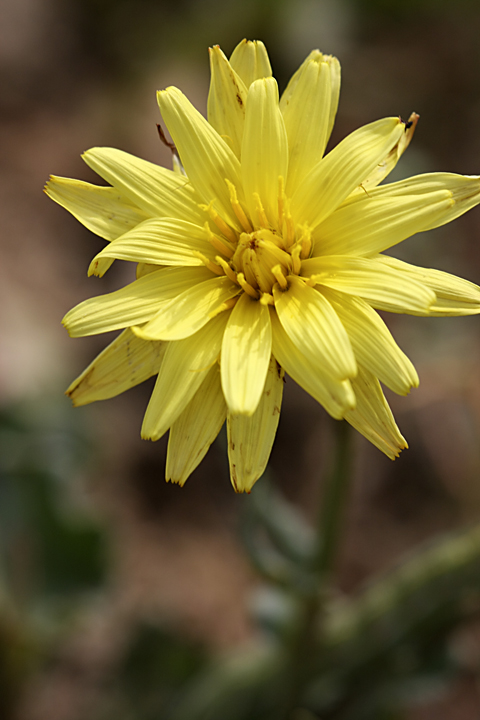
{"x":53,"y":554}
{"x":51,"y":551}
{"x":48,"y":545}
{"x":377,"y":654}
{"x":152,"y":673}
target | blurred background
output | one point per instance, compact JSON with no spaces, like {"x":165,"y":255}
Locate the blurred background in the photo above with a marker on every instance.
{"x":114,"y":586}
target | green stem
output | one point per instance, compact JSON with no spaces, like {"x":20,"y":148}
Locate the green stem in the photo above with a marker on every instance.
{"x":333,"y":505}
{"x":312,"y":602}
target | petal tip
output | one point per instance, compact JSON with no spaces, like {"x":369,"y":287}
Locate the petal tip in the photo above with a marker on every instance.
{"x":180,"y":481}
{"x":65,"y":323}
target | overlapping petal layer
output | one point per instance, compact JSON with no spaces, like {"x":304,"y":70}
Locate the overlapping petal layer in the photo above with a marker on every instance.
{"x":126,"y":362}
{"x":264,"y":150}
{"x":207,"y":159}
{"x":196,"y":428}
{"x":246,"y":350}
{"x":250,"y":439}
{"x":160,"y":241}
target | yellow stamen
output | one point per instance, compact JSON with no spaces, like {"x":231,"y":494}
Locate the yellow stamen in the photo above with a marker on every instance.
{"x":262,"y":218}
{"x":296,"y":262}
{"x":288,"y":227}
{"x":280,"y":277}
{"x":267,"y":299}
{"x":247,"y":287}
{"x":237,"y":208}
{"x":218,"y":243}
{"x":306,"y":242}
{"x":220,"y":222}
{"x":208,"y":263}
{"x":229,"y":272}
{"x":227,"y":305}
{"x":312,"y":280}
{"x":266,"y":239}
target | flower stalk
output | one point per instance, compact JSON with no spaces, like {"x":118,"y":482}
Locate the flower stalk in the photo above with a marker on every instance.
{"x":304,"y":648}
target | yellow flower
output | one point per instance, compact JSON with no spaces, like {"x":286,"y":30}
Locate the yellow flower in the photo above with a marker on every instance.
{"x":258,"y":255}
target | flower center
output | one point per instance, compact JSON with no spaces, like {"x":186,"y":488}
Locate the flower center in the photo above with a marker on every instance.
{"x":262,"y":256}
{"x":262,"y":259}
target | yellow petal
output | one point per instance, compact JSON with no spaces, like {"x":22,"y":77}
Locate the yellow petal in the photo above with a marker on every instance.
{"x":376,"y":223}
{"x":306,"y":114}
{"x":315,"y":329}
{"x":161,"y":241}
{"x":335,"y":78}
{"x":379,"y":285}
{"x":386,"y":166}
{"x":373,"y":344}
{"x":105,"y":211}
{"x":336,"y":396}
{"x":250,"y":61}
{"x":154,"y":189}
{"x":145,"y":269}
{"x":464,"y":191}
{"x":250,"y":439}
{"x":246,"y":350}
{"x":455,"y":296}
{"x":135,"y":303}
{"x":226,"y":100}
{"x":335,"y":73}
{"x":190,"y":311}
{"x":126,"y":362}
{"x":264,"y":149}
{"x":196,"y":428}
{"x":372,"y":416}
{"x":343,"y":169}
{"x":185,"y":365}
{"x":207,"y":159}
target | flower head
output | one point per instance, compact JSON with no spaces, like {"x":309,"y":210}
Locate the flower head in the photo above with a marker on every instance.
{"x":258,"y":255}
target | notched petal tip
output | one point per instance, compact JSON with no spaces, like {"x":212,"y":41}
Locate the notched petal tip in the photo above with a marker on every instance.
{"x":93,"y":269}
{"x":175,"y":480}
{"x":267,"y":84}
{"x":91,"y":151}
{"x":65,"y":323}
{"x":250,"y":60}
{"x":145,"y":436}
{"x":48,"y":185}
{"x":316,"y":56}
{"x":239,"y":487}
{"x":215,"y":50}
{"x":99,"y":266}
{"x":70,"y":393}
{"x":169,"y":92}
{"x":397,"y":451}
